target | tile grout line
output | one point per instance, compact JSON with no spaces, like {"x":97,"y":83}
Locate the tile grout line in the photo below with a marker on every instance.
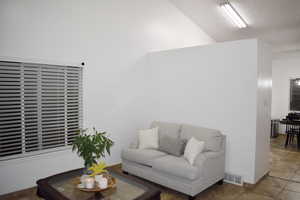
{"x":288,"y":181}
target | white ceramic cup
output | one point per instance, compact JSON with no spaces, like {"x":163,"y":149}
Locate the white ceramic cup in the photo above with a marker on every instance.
{"x":98,"y":177}
{"x":83,"y":177}
{"x":103,"y":183}
{"x":89,"y":183}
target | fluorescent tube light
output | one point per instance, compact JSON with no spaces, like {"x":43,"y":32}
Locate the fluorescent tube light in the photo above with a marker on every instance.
{"x":233,"y":15}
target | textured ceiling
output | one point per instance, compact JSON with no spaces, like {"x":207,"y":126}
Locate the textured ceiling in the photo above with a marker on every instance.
{"x":275,"y":21}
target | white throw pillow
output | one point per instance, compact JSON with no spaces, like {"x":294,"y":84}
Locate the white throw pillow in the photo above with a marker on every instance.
{"x":148,"y":139}
{"x":192,"y":149}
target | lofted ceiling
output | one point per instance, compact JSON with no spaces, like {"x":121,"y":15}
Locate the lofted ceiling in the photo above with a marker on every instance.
{"x":275,"y":21}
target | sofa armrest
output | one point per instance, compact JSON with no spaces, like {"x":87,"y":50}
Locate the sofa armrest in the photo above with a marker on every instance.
{"x":211,"y":165}
{"x":203,"y":157}
{"x":134,"y":144}
{"x":211,"y":154}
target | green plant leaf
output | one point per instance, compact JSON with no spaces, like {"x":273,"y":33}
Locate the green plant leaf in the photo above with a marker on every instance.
{"x":92,"y":147}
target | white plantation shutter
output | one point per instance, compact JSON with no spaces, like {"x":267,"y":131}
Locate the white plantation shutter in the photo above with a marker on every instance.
{"x":74,"y":99}
{"x":53,"y":107}
{"x":10,"y":109}
{"x":40,"y":107}
{"x":30,"y":105}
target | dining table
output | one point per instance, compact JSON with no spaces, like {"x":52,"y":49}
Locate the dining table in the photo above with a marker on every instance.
{"x":292,"y":130}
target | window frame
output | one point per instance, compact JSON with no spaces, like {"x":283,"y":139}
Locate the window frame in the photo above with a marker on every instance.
{"x":291,"y":94}
{"x":66,"y":146}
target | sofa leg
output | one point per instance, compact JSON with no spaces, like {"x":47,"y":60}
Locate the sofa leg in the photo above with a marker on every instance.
{"x":220,"y":182}
{"x":191,"y":197}
{"x":124,"y":172}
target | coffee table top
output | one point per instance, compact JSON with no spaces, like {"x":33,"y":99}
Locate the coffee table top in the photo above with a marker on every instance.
{"x":62,"y":187}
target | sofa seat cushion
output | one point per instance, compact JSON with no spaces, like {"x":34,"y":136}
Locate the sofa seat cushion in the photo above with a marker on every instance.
{"x":176,"y":166}
{"x":142,"y":156}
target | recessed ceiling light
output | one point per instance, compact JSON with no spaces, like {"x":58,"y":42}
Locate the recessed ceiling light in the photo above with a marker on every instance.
{"x":233,"y":15}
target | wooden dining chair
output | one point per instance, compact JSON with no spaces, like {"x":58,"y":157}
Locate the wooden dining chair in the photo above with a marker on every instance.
{"x":292,"y":131}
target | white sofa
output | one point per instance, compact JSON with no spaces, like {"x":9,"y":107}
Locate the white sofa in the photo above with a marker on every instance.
{"x":175,"y":172}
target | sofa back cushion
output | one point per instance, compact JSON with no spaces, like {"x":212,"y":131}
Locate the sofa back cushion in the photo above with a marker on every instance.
{"x":167,"y":128}
{"x":172,"y":145}
{"x":148,"y":139}
{"x":212,"y":138}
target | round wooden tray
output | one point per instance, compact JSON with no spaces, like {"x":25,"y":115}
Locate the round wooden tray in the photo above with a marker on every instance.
{"x":111,"y":184}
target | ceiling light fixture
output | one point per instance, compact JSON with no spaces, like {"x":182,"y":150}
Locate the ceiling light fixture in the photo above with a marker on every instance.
{"x":233,"y":15}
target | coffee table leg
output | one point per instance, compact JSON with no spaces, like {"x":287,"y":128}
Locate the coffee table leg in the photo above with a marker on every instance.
{"x":38,"y":192}
{"x":99,"y":196}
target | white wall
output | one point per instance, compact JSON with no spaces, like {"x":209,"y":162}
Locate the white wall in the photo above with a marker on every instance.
{"x":285,"y":66}
{"x":111,"y":37}
{"x":215,"y":86}
{"x":263,"y":115}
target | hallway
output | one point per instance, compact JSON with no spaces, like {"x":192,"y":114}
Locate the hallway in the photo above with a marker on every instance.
{"x":285,"y":162}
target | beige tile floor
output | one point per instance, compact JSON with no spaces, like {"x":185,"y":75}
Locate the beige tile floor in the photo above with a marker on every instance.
{"x":282,"y":183}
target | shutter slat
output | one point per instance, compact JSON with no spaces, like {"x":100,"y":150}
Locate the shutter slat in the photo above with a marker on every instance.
{"x":10,"y":126}
{"x":57,"y":138}
{"x":10,"y":66}
{"x":53,"y":123}
{"x":52,"y":113}
{"x":31,"y":134}
{"x":4,"y":123}
{"x":7,"y":109}
{"x":53,"y":146}
{"x":51,"y":143}
{"x":49,"y":132}
{"x":62,"y":134}
{"x":11,"y":152}
{"x":3,"y":130}
{"x":9,"y":99}
{"x":6,"y":138}
{"x":10,"y":80}
{"x":10,"y":75}
{"x":16,"y":143}
{"x":10,"y":103}
{"x":53,"y":119}
{"x":46,"y":126}
{"x":47,"y":129}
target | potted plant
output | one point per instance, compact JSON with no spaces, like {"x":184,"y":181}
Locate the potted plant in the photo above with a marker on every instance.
{"x":92,"y":146}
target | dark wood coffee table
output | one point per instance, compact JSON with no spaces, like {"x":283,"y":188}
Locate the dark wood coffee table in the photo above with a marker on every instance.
{"x":61,"y":187}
